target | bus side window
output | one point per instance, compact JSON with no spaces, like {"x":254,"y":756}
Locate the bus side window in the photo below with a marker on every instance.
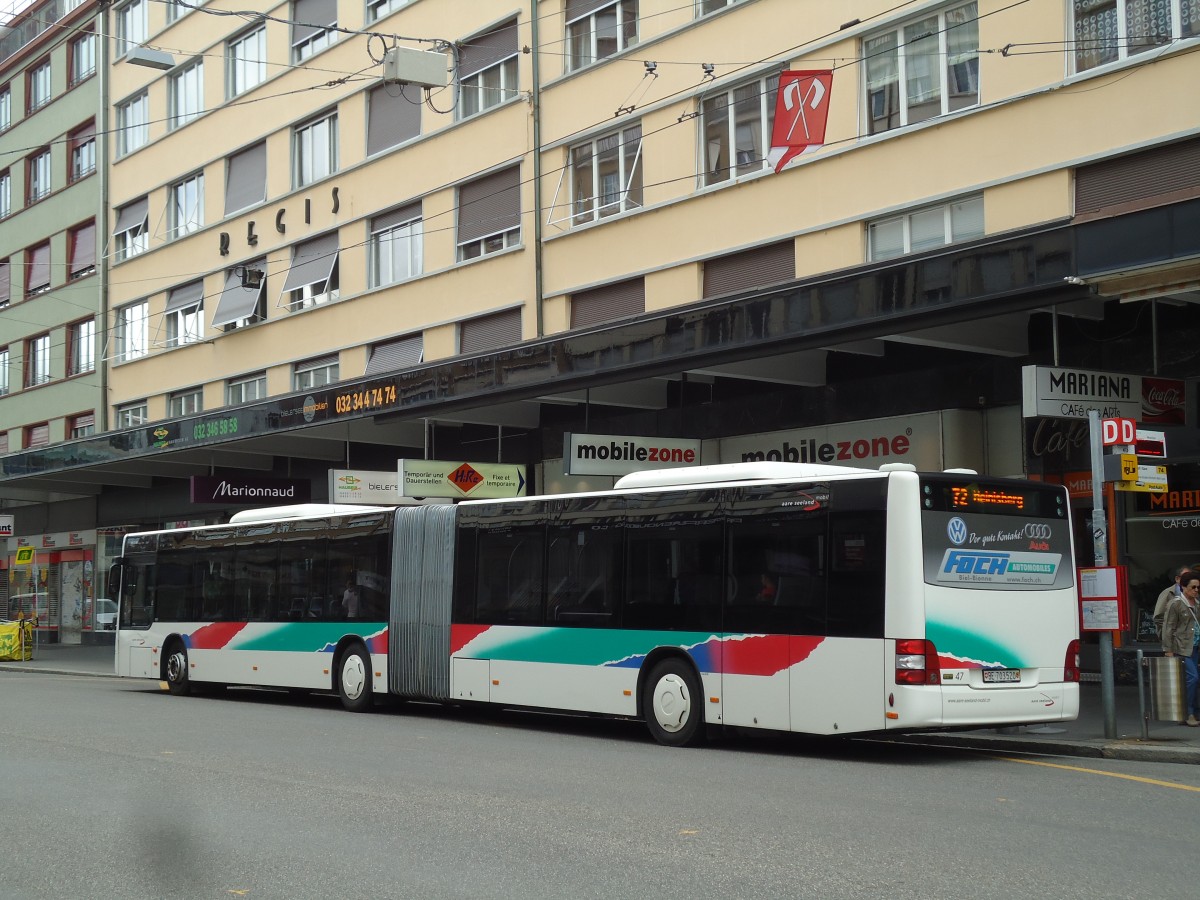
{"x":509,"y":576}
{"x":858,"y":538}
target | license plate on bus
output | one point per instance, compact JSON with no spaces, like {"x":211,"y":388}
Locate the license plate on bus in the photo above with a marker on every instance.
{"x":1001,"y":676}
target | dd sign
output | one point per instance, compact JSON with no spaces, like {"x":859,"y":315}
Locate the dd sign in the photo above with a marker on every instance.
{"x":1118,"y":432}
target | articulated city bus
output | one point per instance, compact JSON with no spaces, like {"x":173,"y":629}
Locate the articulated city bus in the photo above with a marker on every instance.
{"x":791,"y":597}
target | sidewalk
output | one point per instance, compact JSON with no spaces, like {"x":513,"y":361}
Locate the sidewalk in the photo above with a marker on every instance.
{"x":68,"y":659}
{"x":1168,"y":742}
{"x":1084,"y":737}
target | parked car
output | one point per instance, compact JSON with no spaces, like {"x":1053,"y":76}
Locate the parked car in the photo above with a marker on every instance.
{"x":106,"y":615}
{"x":24,"y":603}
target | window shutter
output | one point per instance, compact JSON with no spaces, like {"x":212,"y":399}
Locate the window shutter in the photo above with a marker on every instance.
{"x":39,"y":267}
{"x":577,"y":9}
{"x":750,"y":269}
{"x":39,"y":435}
{"x":396,"y":217}
{"x":246,"y":178}
{"x":1163,"y":173}
{"x":312,"y":261}
{"x":311,"y":16}
{"x":490,"y":205}
{"x":487,"y":49}
{"x":131,"y":216}
{"x":612,"y":301}
{"x":185,"y":296}
{"x":501,"y":329}
{"x":236,"y":301}
{"x":392,"y":118}
{"x":83,"y":248}
{"x":396,"y":355}
{"x":5,"y":282}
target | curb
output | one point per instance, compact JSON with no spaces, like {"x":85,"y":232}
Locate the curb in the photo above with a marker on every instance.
{"x":1130,"y":750}
{"x":39,"y":670}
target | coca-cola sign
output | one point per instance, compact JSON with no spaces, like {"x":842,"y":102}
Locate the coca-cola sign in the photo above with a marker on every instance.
{"x":1162,"y":401}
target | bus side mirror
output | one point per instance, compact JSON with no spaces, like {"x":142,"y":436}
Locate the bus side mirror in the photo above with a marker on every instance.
{"x":115,"y":571}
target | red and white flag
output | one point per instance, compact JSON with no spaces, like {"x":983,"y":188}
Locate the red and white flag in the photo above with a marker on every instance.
{"x":801,"y":110}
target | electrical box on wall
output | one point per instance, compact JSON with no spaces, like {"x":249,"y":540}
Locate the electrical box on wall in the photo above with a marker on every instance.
{"x":403,"y":65}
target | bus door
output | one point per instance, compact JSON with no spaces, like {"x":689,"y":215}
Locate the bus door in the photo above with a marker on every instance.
{"x":775,"y":600}
{"x":838,"y":661}
{"x":137,"y":657}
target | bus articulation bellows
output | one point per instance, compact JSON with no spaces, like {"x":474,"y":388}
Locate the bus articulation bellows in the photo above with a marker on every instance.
{"x":792,"y":597}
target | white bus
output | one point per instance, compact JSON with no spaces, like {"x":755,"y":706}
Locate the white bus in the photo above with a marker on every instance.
{"x":803,"y":598}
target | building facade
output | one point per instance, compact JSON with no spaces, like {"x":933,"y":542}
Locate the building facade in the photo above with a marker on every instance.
{"x":51,"y":277}
{"x":579,"y":226}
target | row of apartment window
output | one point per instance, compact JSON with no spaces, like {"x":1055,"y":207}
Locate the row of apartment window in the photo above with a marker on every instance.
{"x":926,"y":68}
{"x":39,"y":174}
{"x":38,"y":435}
{"x":921,"y":69}
{"x":395,"y":254}
{"x":34,"y":263}
{"x":81,"y":64}
{"x":35,"y":365}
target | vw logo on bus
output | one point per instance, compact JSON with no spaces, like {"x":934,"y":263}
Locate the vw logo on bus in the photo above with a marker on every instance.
{"x":956,"y":530}
{"x":1038,"y":531}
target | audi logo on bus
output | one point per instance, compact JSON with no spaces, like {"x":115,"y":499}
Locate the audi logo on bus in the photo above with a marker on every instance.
{"x":1037,"y":531}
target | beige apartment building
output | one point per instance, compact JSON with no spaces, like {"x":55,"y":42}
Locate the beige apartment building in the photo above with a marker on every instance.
{"x":344,"y":233}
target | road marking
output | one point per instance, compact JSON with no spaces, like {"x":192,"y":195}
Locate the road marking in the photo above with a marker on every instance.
{"x":1169,"y":784}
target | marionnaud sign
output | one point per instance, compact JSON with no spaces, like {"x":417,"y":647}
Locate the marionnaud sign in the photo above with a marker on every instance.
{"x":460,"y":480}
{"x":361,"y":486}
{"x":249,"y":491}
{"x":1071,"y":393}
{"x":620,"y":454}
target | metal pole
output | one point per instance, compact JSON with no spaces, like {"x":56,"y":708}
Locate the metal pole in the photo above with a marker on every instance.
{"x":1100,"y":543}
{"x":1142,"y":699}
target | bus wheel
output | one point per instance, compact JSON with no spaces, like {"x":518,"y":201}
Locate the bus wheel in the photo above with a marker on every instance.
{"x":177,"y":670}
{"x":354,"y":680}
{"x":672,"y":704}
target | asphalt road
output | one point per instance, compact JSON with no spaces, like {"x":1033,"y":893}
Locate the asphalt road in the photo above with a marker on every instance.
{"x":112,"y":789}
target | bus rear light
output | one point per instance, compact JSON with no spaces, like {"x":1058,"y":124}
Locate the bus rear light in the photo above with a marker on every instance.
{"x":1071,"y":664}
{"x":917,"y":662}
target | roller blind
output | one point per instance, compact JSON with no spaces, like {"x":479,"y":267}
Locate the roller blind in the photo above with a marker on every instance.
{"x":38,"y":274}
{"x":487,"y":49}
{"x":312,"y":262}
{"x":489,"y":205}
{"x":396,"y":217}
{"x":750,"y":269}
{"x":395,"y":355}
{"x":131,"y":216}
{"x":577,"y":9}
{"x":236,"y":301}
{"x":185,"y":296}
{"x":392,"y":118}
{"x":611,"y":301}
{"x":501,"y":329}
{"x":1170,"y":170}
{"x":310,"y":17}
{"x":83,"y":248}
{"x":246,"y":178}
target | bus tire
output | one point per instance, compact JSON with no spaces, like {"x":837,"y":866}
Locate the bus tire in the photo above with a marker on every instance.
{"x":354,"y":679}
{"x":176,"y":673}
{"x":672,"y":704}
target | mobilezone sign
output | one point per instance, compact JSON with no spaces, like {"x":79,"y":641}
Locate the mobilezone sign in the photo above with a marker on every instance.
{"x":620,"y":454}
